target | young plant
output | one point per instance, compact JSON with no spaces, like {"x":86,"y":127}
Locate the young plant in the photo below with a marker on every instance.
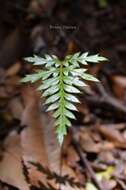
{"x":61,"y":80}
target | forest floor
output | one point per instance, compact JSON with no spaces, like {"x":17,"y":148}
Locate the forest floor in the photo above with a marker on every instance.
{"x":93,"y":156}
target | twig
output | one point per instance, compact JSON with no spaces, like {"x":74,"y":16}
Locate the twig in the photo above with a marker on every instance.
{"x":85,"y":162}
{"x":110,"y":99}
{"x":106,"y":98}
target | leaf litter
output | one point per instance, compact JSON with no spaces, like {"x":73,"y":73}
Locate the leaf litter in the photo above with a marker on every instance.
{"x":30,"y":156}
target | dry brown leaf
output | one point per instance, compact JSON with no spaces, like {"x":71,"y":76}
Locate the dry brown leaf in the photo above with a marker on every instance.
{"x":13,"y":70}
{"x":3,"y":93}
{"x":32,"y":139}
{"x":16,"y":108}
{"x":66,"y":170}
{"x":90,"y":146}
{"x":51,"y":143}
{"x":106,"y":156}
{"x":119,"y":85}
{"x":118,"y":126}
{"x":111,"y":133}
{"x":72,"y":157}
{"x":12,"y":82}
{"x":10,"y":167}
{"x":109,"y":184}
{"x":38,"y":143}
{"x":107,"y":146}
{"x":34,"y":144}
{"x":87,"y":142}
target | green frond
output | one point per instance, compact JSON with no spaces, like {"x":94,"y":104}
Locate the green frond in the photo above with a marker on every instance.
{"x":32,"y":77}
{"x":86,"y":76}
{"x":71,"y":98}
{"x":61,"y":81}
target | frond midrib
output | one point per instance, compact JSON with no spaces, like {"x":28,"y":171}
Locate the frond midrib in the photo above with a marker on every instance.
{"x":62,"y":93}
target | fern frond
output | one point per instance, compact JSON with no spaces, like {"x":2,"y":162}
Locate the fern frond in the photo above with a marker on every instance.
{"x":61,"y":81}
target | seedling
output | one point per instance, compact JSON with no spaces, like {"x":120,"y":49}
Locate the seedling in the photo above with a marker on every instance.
{"x":61,"y":80}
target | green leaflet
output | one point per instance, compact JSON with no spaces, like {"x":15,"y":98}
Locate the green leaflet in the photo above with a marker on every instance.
{"x":77,"y":72}
{"x":36,"y":60}
{"x":70,"y":106}
{"x":55,"y":73}
{"x":86,"y":76}
{"x":73,"y":81}
{"x":66,"y":121}
{"x":78,"y":82}
{"x":52,"y":81}
{"x":57,"y":113}
{"x":71,"y":89}
{"x":62,"y":123}
{"x":69,"y":114}
{"x":51,"y":90}
{"x":47,"y":83}
{"x":95,"y":58}
{"x":68,"y":80}
{"x":61,"y":81}
{"x":66,"y":72}
{"x":46,"y":74}
{"x":53,"y":106}
{"x":50,"y":63}
{"x":74,"y":59}
{"x":52,"y":98}
{"x":61,"y":131}
{"x":32,"y":78}
{"x":71,"y":98}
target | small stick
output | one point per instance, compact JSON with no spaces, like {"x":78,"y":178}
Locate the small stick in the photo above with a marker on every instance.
{"x":107,"y":98}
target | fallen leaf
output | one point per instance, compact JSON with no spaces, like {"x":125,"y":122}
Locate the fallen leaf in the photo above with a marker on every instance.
{"x":16,"y":108}
{"x":113,"y":135}
{"x":10,"y":166}
{"x":32,"y":138}
{"x":72,"y":157}
{"x":107,"y":174}
{"x":66,"y":170}
{"x":87,"y":142}
{"x":39,"y":143}
{"x":119,"y":85}
{"x":90,"y":186}
{"x":13,"y":70}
